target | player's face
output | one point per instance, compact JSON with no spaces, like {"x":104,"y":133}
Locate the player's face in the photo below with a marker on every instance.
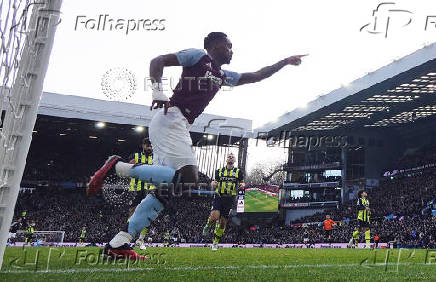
{"x":364,"y":194}
{"x":230,"y":159}
{"x":147,"y":148}
{"x":224,"y":50}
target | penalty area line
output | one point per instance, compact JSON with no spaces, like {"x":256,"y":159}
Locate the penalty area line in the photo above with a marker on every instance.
{"x":196,"y":268}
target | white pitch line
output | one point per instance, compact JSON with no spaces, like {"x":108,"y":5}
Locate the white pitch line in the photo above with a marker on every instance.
{"x":187,"y":268}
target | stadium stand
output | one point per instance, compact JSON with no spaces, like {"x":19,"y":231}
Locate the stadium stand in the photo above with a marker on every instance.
{"x":397,"y":205}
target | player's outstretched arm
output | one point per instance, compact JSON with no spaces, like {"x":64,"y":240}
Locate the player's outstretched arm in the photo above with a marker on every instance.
{"x":156,"y":70}
{"x":252,"y":77}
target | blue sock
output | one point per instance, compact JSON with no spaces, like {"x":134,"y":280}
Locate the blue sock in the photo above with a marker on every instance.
{"x":153,"y":173}
{"x":147,"y":211}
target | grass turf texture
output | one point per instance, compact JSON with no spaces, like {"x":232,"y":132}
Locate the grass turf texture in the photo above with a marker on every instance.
{"x":227,"y":264}
{"x":256,"y":201}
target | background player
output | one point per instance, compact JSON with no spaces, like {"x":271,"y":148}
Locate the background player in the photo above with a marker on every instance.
{"x":82,"y":236}
{"x":306,"y":237}
{"x":201,"y":79}
{"x":354,"y":241}
{"x":30,"y":231}
{"x":15,"y":227}
{"x":363,"y":217}
{"x":228,"y":180}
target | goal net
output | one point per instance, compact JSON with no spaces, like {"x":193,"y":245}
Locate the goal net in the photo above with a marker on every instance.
{"x":43,"y":238}
{"x":27,"y":31}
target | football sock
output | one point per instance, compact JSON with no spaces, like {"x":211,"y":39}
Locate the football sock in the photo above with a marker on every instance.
{"x":156,"y":173}
{"x":355,"y":238}
{"x":368,"y":238}
{"x":143,"y":233}
{"x":147,"y":211}
{"x":209,"y":223}
{"x":218,"y":234}
{"x":153,"y":173}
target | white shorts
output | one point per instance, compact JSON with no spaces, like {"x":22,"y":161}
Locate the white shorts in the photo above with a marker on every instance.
{"x":171,"y":141}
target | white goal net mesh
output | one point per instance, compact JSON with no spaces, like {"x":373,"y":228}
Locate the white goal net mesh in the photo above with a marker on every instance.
{"x":42,"y":238}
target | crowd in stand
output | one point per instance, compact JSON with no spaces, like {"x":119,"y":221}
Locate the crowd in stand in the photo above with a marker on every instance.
{"x":396,"y":207}
{"x":315,"y":198}
{"x":58,"y":209}
{"x":402,"y":198}
{"x":396,"y":211}
{"x":416,"y":158}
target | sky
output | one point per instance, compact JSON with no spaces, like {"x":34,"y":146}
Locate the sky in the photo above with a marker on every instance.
{"x":339,"y":37}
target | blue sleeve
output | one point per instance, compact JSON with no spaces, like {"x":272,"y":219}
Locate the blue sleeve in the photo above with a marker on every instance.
{"x":232,"y":78}
{"x":189,"y":57}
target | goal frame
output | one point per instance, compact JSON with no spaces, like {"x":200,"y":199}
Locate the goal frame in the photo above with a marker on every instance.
{"x":22,"y":106}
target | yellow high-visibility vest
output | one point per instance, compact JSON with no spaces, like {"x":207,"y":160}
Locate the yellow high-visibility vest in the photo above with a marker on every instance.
{"x":136,"y":184}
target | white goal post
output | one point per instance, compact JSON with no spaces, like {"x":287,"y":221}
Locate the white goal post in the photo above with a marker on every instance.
{"x":27,"y":33}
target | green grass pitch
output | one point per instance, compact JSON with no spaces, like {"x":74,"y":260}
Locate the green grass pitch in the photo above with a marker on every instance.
{"x":226,"y":264}
{"x":256,"y":201}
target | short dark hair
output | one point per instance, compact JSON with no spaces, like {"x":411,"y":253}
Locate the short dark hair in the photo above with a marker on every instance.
{"x":146,"y":141}
{"x":359,"y":194}
{"x":212,"y":37}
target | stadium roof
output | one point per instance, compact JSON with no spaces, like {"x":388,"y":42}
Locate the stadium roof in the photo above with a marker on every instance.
{"x":397,"y":94}
{"x":68,"y":106}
